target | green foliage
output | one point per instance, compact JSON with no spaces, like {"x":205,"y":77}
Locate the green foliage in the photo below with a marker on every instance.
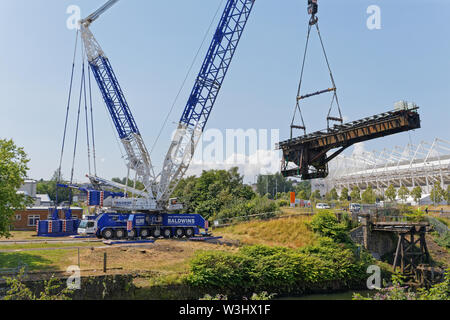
{"x":263,"y":296}
{"x":272,"y":184}
{"x":13,"y":171}
{"x":327,"y":225}
{"x":416,"y":193}
{"x":260,"y":268}
{"x":437,"y":193}
{"x":283,"y":203}
{"x":369,"y":196}
{"x":19,"y":291}
{"x":303,"y":190}
{"x":444,"y":240}
{"x":50,"y":188}
{"x":403,"y":193}
{"x":212,"y":191}
{"x":344,"y":195}
{"x":355,"y":194}
{"x":391,"y":193}
{"x":332,"y":195}
{"x":244,"y":208}
{"x":316,"y":196}
{"x":447,"y":195}
{"x":398,"y":291}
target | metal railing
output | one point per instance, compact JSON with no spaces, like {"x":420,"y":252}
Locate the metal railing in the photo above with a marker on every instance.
{"x":13,"y":271}
{"x":221,"y":223}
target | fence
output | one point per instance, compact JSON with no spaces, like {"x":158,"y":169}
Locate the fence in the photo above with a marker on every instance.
{"x":221,"y":223}
{"x":440,"y":227}
{"x":13,"y":271}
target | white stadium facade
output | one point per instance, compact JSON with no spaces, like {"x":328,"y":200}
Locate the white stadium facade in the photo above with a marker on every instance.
{"x":414,"y":165}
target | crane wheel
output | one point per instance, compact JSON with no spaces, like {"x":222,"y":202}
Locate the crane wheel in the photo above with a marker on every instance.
{"x":156,"y":233}
{"x":179,"y":233}
{"x":145,"y":233}
{"x":167,"y":233}
{"x":120,"y":234}
{"x":189,"y":233}
{"x":132,"y":234}
{"x":108,"y":234}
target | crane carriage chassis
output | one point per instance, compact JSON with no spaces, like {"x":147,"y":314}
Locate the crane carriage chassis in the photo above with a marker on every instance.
{"x":120,"y":226}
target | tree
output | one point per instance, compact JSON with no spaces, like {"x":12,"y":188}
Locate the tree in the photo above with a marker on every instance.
{"x":416,"y":193}
{"x":316,"y":195}
{"x":272,"y":184}
{"x":212,"y":191}
{"x":369,"y":196}
{"x":304,"y":188}
{"x":403,"y":193}
{"x":391,"y":193}
{"x":356,"y":194}
{"x":437,"y":193}
{"x":344,"y":194}
{"x":447,"y":195}
{"x":13,"y":172}
{"x":332,"y":195}
{"x":56,"y":194}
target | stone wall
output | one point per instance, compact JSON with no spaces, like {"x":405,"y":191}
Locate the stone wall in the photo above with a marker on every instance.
{"x":107,"y":287}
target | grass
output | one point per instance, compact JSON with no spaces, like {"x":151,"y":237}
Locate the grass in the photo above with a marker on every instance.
{"x":47,"y":245}
{"x":288,"y":232}
{"x":56,"y":260}
{"x":22,"y":235}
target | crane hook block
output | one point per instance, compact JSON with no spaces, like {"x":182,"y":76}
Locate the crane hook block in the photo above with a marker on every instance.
{"x":313,"y":7}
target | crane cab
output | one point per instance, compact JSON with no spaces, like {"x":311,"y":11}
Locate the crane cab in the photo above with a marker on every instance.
{"x":175,"y":205}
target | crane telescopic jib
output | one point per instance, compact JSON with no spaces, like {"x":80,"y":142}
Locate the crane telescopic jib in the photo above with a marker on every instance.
{"x":158,"y":188}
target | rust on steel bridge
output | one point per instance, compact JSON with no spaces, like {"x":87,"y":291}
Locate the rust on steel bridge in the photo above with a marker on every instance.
{"x":306,"y":156}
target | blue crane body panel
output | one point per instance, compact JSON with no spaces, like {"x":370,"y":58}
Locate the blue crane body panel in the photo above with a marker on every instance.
{"x":142,"y":225}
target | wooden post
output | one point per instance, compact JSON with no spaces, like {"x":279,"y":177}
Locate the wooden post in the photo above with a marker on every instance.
{"x":79,"y":265}
{"x":105,"y":257}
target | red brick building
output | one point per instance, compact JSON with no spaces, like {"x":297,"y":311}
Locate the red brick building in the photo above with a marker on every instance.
{"x":26,"y":220}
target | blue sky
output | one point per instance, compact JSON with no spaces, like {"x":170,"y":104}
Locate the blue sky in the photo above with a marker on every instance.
{"x":151,"y":45}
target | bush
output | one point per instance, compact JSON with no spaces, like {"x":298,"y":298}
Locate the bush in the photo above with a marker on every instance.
{"x":245,"y":208}
{"x":326,"y":224}
{"x":263,"y":268}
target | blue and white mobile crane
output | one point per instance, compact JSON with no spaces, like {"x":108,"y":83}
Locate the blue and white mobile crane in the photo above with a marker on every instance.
{"x":148,"y":209}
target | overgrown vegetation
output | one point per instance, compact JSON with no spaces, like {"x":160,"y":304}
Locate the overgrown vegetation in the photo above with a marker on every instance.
{"x":18,"y":290}
{"x":13,"y":172}
{"x":221,"y":194}
{"x":334,"y":259}
{"x":399,"y":291}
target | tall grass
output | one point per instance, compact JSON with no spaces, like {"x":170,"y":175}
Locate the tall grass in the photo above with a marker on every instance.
{"x":287,"y":232}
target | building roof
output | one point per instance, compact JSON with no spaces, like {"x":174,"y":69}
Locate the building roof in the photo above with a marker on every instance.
{"x":44,"y":197}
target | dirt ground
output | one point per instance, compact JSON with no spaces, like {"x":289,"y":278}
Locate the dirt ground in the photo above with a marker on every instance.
{"x":440,"y":255}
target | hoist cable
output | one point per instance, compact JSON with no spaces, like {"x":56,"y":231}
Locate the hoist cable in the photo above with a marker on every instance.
{"x":76,"y":130}
{"x":67,"y":117}
{"x":87,"y":120}
{"x":94,"y":152}
{"x":334,"y":89}
{"x":186,"y":78}
{"x":331,"y":75}
{"x":297,"y":107}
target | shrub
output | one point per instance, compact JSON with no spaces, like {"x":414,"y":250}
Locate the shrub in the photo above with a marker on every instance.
{"x":326,"y":224}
